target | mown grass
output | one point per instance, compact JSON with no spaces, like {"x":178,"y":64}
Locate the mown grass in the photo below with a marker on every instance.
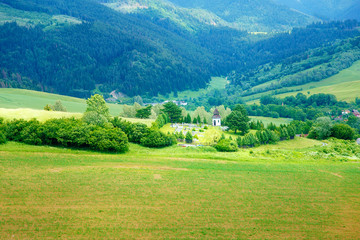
{"x":174,"y":193}
{"x":41,"y":115}
{"x":267,"y":120}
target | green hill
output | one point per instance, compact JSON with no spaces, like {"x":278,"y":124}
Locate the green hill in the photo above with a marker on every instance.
{"x":252,"y":16}
{"x":19,"y":98}
{"x":345,"y":86}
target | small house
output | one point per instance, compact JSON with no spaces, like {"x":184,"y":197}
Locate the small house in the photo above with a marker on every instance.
{"x":216,"y":119}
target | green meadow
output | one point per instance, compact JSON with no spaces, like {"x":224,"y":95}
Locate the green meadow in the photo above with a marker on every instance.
{"x":19,"y":98}
{"x":345,"y":86}
{"x":215,"y":83}
{"x":175,"y":192}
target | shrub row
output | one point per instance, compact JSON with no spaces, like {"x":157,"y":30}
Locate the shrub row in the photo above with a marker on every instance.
{"x":139,"y":133}
{"x":66,"y":132}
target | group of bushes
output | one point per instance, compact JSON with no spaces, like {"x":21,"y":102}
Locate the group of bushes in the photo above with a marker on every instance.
{"x":271,"y":135}
{"x":141,"y":134}
{"x":77,"y":133}
{"x":66,"y":132}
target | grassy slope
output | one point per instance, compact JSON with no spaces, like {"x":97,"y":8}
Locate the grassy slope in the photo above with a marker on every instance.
{"x":344,"y":85}
{"x":19,"y":98}
{"x":215,"y":83}
{"x":176,"y":193}
{"x":9,"y":14}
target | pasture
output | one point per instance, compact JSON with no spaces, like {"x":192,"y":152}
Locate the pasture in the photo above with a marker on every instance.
{"x":344,"y":86}
{"x":20,"y":98}
{"x":215,"y":83}
{"x":49,"y":192}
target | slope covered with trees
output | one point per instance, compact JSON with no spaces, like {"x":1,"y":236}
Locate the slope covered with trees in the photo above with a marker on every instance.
{"x":118,"y":51}
{"x":145,"y":54}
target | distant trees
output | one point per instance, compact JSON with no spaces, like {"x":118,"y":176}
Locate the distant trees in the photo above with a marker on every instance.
{"x":58,"y":106}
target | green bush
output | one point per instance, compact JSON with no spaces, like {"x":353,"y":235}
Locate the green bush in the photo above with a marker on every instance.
{"x":67,"y":133}
{"x":108,"y":140}
{"x":343,"y":131}
{"x":134,"y":131}
{"x":2,"y":138}
{"x":156,"y":139}
{"x":188,"y":137}
{"x":226,"y":145}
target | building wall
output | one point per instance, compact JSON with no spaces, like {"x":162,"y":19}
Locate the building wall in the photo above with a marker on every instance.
{"x":216,"y":122}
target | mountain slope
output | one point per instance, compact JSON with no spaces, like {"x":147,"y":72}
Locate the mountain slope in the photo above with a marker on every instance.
{"x":119,"y":51}
{"x":254,"y":16}
{"x":325,"y":9}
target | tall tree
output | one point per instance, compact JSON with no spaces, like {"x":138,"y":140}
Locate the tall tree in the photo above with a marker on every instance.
{"x":96,"y":103}
{"x":173,"y":111}
{"x":238,"y":122}
{"x":144,"y":112}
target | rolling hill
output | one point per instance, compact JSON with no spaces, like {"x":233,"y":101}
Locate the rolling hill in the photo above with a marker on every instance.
{"x":147,"y":48}
{"x":325,"y":9}
{"x":253,"y":16}
{"x":21,"y":98}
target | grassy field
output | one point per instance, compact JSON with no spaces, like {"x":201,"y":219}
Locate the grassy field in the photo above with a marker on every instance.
{"x":20,"y":98}
{"x":176,"y":193}
{"x":267,"y":120}
{"x":344,"y":85}
{"x":215,"y":83}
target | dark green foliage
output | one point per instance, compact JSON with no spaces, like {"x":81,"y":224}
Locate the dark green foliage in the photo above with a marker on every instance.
{"x":134,"y":131}
{"x":187,"y":119}
{"x":173,"y":111}
{"x":249,"y":140}
{"x":108,"y":48}
{"x":321,"y":128}
{"x":157,"y":139}
{"x":2,"y":138}
{"x":226,"y":145}
{"x":161,"y":120}
{"x":67,"y":133}
{"x":301,"y":127}
{"x":238,"y":120}
{"x":188,"y":137}
{"x":108,"y":140}
{"x":343,"y":131}
{"x":144,"y":112}
{"x":354,"y":122}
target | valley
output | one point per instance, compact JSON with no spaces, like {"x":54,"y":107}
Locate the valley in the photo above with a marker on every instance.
{"x":179,"y":119}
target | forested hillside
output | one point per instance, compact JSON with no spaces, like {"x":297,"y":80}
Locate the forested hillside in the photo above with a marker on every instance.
{"x":325,"y":9}
{"x":256,"y":15}
{"x":116,"y":50}
{"x":83,"y":46}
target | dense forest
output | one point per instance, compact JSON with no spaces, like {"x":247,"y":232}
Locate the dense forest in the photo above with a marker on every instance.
{"x":135,"y":54}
